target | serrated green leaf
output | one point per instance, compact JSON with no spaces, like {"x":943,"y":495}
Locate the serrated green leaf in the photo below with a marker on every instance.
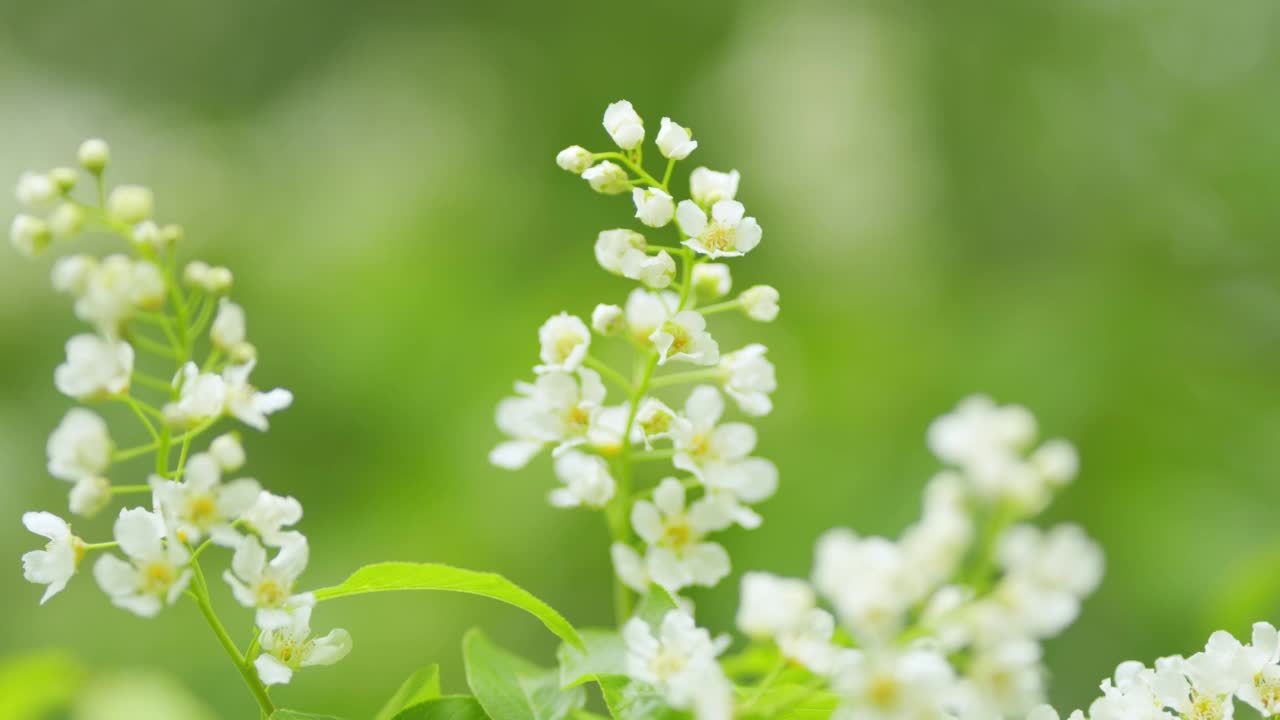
{"x":512,"y":688}
{"x":421,"y":686}
{"x":450,"y":707}
{"x":283,"y":714}
{"x":393,"y":576}
{"x":606,"y":654}
{"x":632,"y":700}
{"x":655,"y":605}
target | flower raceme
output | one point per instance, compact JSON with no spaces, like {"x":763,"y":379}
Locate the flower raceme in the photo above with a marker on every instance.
{"x":172,"y":348}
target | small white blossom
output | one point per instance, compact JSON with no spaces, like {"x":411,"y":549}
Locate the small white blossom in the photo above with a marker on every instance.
{"x":95,"y":368}
{"x":624,"y":125}
{"x":1260,"y":665}
{"x":709,"y":187}
{"x":892,"y":685}
{"x":89,"y":496}
{"x":978,"y":429}
{"x":1047,"y":574}
{"x":654,"y":207}
{"x":575,"y":159}
{"x":66,"y":221}
{"x":726,"y":234}
{"x":607,"y":178}
{"x":203,"y":397}
{"x":564,"y":341}
{"x":268,"y":585}
{"x":1199,"y":687}
{"x":269,"y":515}
{"x":607,"y":319}
{"x":246,"y":403}
{"x":586,"y":481}
{"x":656,"y":272}
{"x":1005,"y":680}
{"x":1057,"y":461}
{"x":130,"y":204}
{"x":36,"y":190}
{"x":290,"y":646}
{"x":674,"y":141}
{"x":685,"y":337}
{"x":656,"y":421}
{"x":202,"y":504}
{"x":678,"y":555}
{"x":620,"y":251}
{"x":111,"y":291}
{"x":869,"y":582}
{"x":710,"y":445}
{"x":53,"y":566}
{"x":80,"y":446}
{"x":749,"y":379}
{"x":760,"y":303}
{"x":680,"y":662}
{"x":29,"y":235}
{"x":156,"y":573}
{"x":772,"y":605}
{"x":712,"y":280}
{"x":228,"y":451}
{"x":218,"y":280}
{"x":647,"y":311}
{"x":229,"y":329}
{"x":94,"y":155}
{"x":556,"y":408}
{"x":64,"y":179}
{"x":71,"y":273}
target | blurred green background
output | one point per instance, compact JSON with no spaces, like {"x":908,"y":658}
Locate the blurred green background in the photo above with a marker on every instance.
{"x":1071,"y":205}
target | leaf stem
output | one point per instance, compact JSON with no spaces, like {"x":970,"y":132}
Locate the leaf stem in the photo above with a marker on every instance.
{"x":247,"y":671}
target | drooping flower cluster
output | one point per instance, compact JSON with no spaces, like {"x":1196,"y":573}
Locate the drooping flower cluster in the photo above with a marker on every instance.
{"x":170,"y":349}
{"x":663,"y":530}
{"x":1203,"y":686}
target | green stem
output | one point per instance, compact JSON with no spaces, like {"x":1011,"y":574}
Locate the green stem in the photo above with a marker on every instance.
{"x":649,"y":455}
{"x":666,"y":177}
{"x":151,"y":346}
{"x":136,"y":407}
{"x":632,"y":166}
{"x":691,"y":376}
{"x":154,"y":383}
{"x":129,"y":489}
{"x":721,"y":307}
{"x":247,"y":671}
{"x":88,"y":547}
{"x":610,"y":373}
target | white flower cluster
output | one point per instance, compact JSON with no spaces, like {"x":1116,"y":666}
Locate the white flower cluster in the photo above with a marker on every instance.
{"x":1204,"y":686}
{"x":662,"y":533}
{"x":146,"y":315}
{"x":970,"y":581}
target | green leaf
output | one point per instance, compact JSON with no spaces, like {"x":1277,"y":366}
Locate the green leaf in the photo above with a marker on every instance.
{"x":421,"y":686}
{"x":633,"y":700}
{"x":386,"y":577}
{"x":606,"y":654}
{"x":512,"y":688}
{"x":31,"y":686}
{"x":790,"y":701}
{"x":295,"y":715}
{"x":655,"y":605}
{"x":450,"y":707}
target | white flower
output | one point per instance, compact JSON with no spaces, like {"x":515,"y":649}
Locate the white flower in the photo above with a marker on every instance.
{"x":202,"y":504}
{"x":717,"y":454}
{"x":565,"y":340}
{"x":229,"y":329}
{"x":290,"y":646}
{"x":869,"y":581}
{"x":268,"y":586}
{"x":656,"y":421}
{"x":674,"y":141}
{"x":203,"y":397}
{"x":1057,"y":461}
{"x":647,"y":311}
{"x":1200,"y":686}
{"x":624,"y":125}
{"x":246,"y":404}
{"x":71,"y":273}
{"x":891,"y":685}
{"x":113,"y":290}
{"x":709,"y":187}
{"x":36,"y":190}
{"x":654,"y":207}
{"x":678,"y":556}
{"x":726,"y":234}
{"x":656,"y":272}
{"x":680,"y":662}
{"x":555,"y":408}
{"x":620,"y":251}
{"x":1132,"y":696}
{"x":978,"y":429}
{"x":66,"y":221}
{"x":130,"y":204}
{"x":80,"y":446}
{"x":607,"y":178}
{"x":269,"y":515}
{"x":772,"y":605}
{"x":95,"y":368}
{"x":685,"y":337}
{"x":57,"y":562}
{"x":93,"y":155}
{"x":749,"y":379}
{"x":607,"y":319}
{"x":156,"y":573}
{"x":228,"y":451}
{"x":1260,"y":663}
{"x":89,"y":496}
{"x":712,"y":280}
{"x":586,"y":478}
{"x":1006,"y":680}
{"x":575,"y":159}
{"x":1047,"y":574}
{"x":29,"y":235}
{"x":760,"y":303}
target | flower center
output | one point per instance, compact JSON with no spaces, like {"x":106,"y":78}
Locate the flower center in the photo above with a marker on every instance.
{"x":667,"y":664}
{"x":157,"y":577}
{"x":565,"y":346}
{"x":1268,"y":692}
{"x":679,"y":338}
{"x":202,"y":510}
{"x":1205,"y":707}
{"x":578,"y":419}
{"x":883,"y":692}
{"x":270,"y":593}
{"x":678,"y":535}
{"x":719,"y":237}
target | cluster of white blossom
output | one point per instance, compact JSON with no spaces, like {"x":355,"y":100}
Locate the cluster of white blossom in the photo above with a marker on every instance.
{"x":149,"y":322}
{"x":946,"y":621}
{"x":662,"y":532}
{"x":1204,"y":686}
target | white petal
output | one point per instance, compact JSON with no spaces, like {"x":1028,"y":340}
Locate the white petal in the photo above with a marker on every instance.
{"x":704,"y":407}
{"x":647,"y":521}
{"x":329,"y":649}
{"x":250,"y":560}
{"x":515,"y":454}
{"x":139,"y":533}
{"x":46,"y":524}
{"x":709,"y":563}
{"x":691,"y":219}
{"x":669,"y":497}
{"x":728,"y":212}
{"x":733,"y":441}
{"x":271,"y":671}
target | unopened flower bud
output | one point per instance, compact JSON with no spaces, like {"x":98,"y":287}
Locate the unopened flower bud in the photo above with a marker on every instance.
{"x":575,"y":159}
{"x":242,"y":353}
{"x":90,"y":495}
{"x":94,"y":155}
{"x":130,"y":204}
{"x":654,"y":207}
{"x":607,"y":319}
{"x":760,"y":303}
{"x":36,"y":190}
{"x":30,"y":235}
{"x":229,"y":327}
{"x":674,"y":141}
{"x":171,"y":235}
{"x":228,"y":452}
{"x":219,"y":280}
{"x":607,"y":178}
{"x":64,"y":179}
{"x":66,"y":221}
{"x":657,"y":272}
{"x":624,"y":125}
{"x":196,"y":274}
{"x":712,"y":280}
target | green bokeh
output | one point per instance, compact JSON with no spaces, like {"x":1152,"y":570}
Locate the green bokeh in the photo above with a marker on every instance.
{"x":1070,"y":205}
